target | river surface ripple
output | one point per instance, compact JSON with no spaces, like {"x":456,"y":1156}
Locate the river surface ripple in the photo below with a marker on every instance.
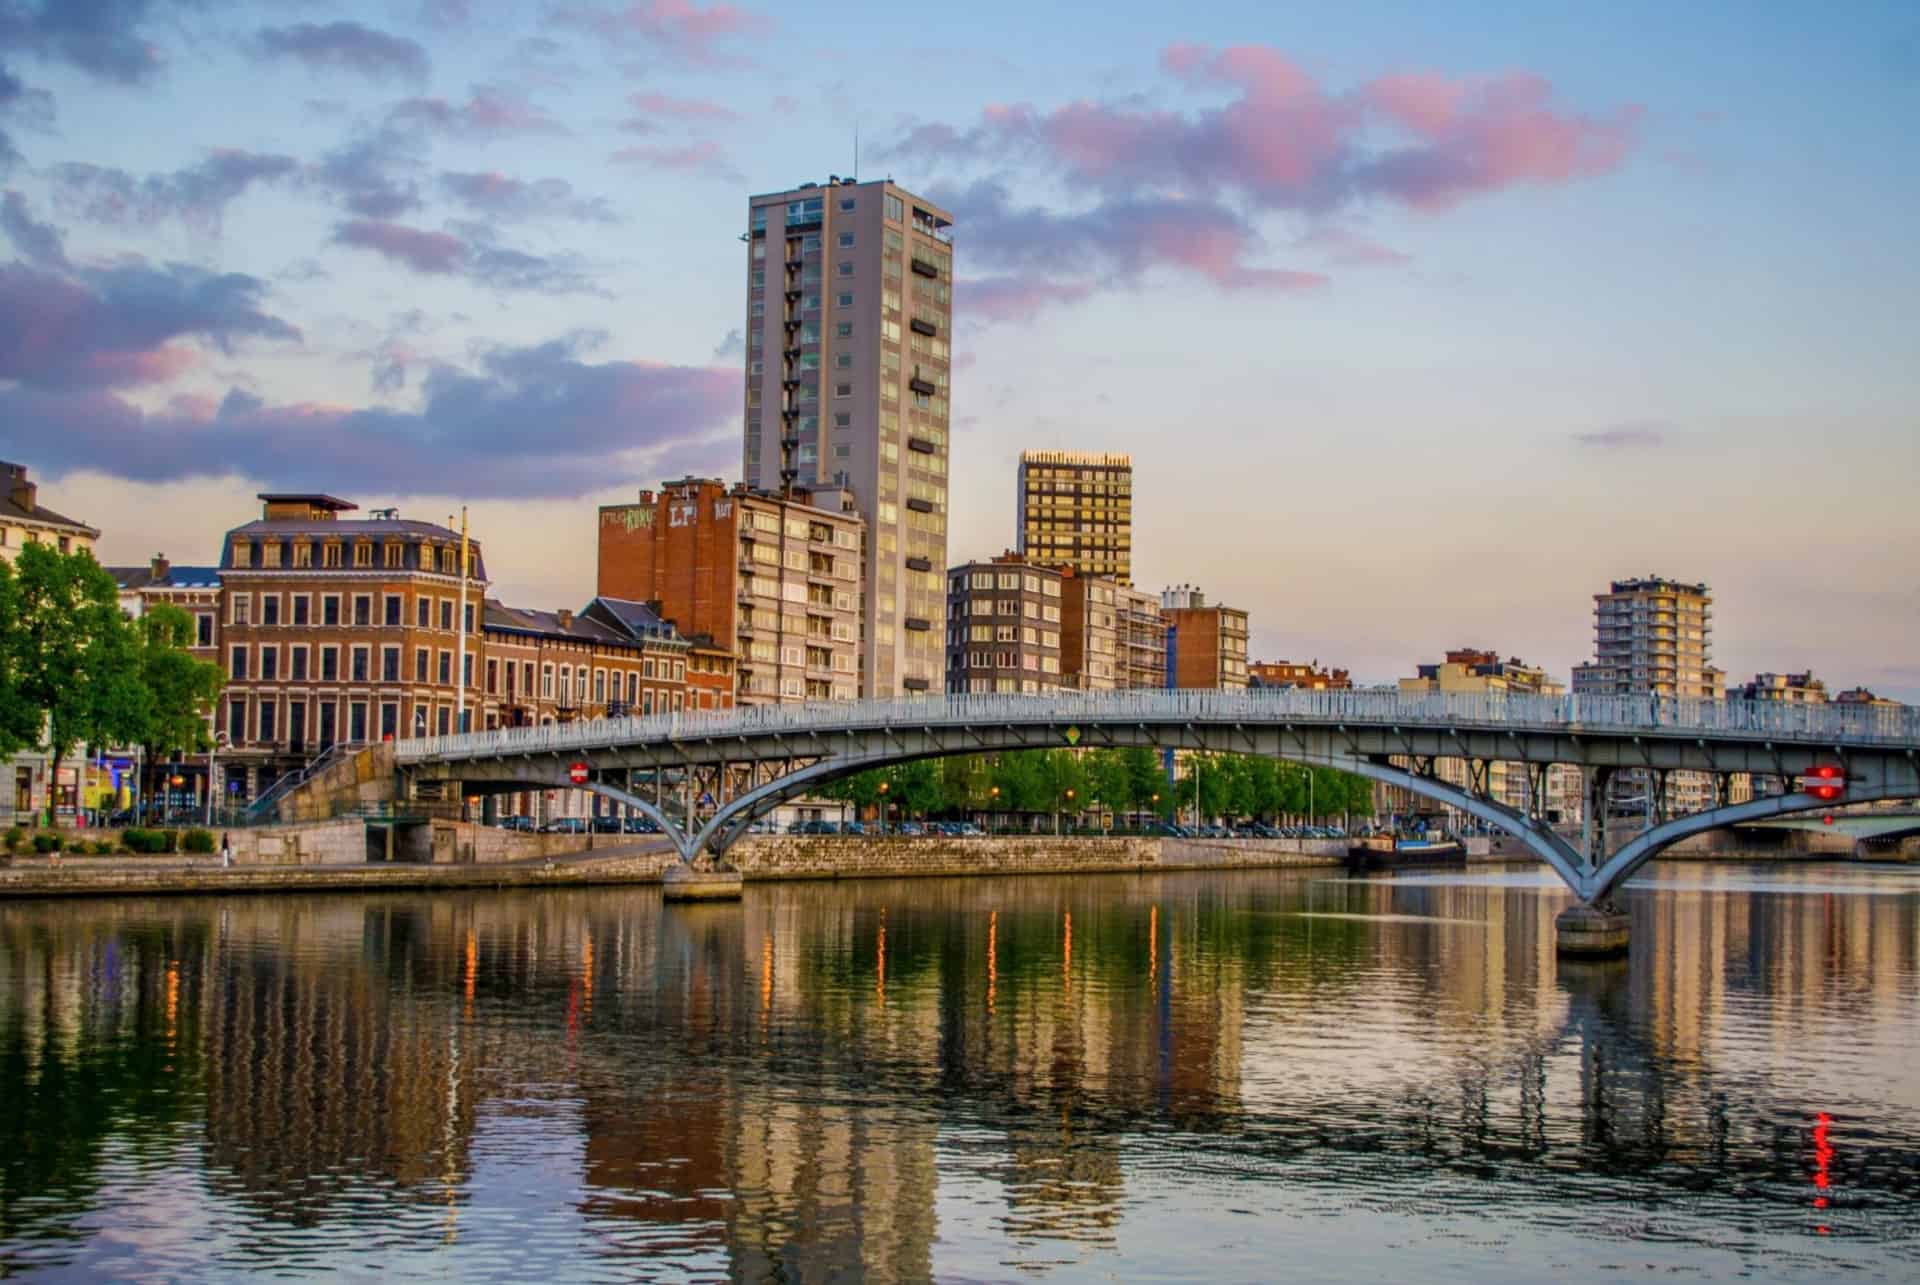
{"x":1238,"y":1076}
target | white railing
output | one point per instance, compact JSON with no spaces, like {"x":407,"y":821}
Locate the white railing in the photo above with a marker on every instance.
{"x":1881,"y":726}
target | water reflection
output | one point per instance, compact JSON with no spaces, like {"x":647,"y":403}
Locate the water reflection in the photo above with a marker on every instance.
{"x":1143,"y":1076}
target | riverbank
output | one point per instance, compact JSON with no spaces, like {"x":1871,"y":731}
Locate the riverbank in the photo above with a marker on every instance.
{"x":760,"y":858}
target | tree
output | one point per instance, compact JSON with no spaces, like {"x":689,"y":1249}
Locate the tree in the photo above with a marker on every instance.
{"x":73,"y":656}
{"x":181,"y":688}
{"x":19,"y":720}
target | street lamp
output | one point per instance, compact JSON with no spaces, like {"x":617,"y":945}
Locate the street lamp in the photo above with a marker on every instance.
{"x":883,"y":808}
{"x":993,"y":805}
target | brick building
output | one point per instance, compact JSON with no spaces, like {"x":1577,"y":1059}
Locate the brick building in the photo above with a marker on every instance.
{"x":1003,"y":627}
{"x":196,"y":591}
{"x":1207,"y":643}
{"x":775,"y":582}
{"x":340,"y":630}
{"x":1089,"y":632}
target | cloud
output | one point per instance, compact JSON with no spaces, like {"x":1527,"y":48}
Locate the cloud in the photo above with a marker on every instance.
{"x":1283,"y":142}
{"x":651,"y":108}
{"x":347,"y":46}
{"x":490,"y":111}
{"x":99,"y":37}
{"x":38,"y":243}
{"x":1015,"y":298}
{"x":32,"y":107}
{"x":474,"y":257}
{"x":374,"y":176}
{"x":121,"y":326}
{"x":732,"y":348}
{"x":1350,"y":249}
{"x":681,"y":28}
{"x":695,"y":158}
{"x":197,"y":195}
{"x":469,"y":432}
{"x":502,"y":197}
{"x":1118,"y":241}
{"x":1631,"y":436}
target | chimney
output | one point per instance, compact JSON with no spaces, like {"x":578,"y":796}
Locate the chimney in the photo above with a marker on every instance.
{"x":565,"y":619}
{"x":159,"y":568}
{"x":24,"y":494}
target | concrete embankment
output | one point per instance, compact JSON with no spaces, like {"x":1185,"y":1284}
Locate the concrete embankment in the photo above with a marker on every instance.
{"x":774,"y":857}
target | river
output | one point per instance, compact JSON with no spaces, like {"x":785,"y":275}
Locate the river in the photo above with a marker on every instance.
{"x":1240,"y":1076}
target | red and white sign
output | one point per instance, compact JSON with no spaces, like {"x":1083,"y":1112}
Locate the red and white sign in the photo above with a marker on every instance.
{"x":577,"y":773}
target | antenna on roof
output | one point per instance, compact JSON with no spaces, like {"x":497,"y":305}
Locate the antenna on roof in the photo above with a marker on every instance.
{"x":856,"y":150}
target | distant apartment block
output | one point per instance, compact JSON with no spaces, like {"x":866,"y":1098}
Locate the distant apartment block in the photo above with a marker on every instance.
{"x":1207,"y":643}
{"x":1652,"y":636}
{"x":1089,"y":632}
{"x":848,"y":365}
{"x":774,"y":581}
{"x":1140,"y":643}
{"x":1286,"y":673}
{"x":1786,"y":689}
{"x":1475,"y":671}
{"x":1004,"y":627}
{"x":1076,"y":510}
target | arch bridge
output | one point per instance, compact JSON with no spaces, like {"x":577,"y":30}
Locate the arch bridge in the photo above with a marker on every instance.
{"x":748,"y":760}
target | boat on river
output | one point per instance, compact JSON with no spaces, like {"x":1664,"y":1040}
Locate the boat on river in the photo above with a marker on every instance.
{"x":1406,"y":851}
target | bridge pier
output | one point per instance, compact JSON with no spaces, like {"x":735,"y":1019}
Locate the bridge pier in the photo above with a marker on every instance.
{"x":1590,"y":930}
{"x":683,"y":881}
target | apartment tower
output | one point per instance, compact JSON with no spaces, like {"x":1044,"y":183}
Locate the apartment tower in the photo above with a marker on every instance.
{"x":1206,"y":642}
{"x":849,"y":327}
{"x":1076,"y":510}
{"x":1652,"y":637}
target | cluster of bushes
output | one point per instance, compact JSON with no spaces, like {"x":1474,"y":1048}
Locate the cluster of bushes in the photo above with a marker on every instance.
{"x":197,"y":841}
{"x":150,"y":841}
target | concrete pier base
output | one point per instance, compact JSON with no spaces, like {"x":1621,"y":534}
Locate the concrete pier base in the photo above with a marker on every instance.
{"x":1591,"y":932}
{"x":681,"y":882}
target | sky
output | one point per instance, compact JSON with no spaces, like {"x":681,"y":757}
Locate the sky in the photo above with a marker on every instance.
{"x":1421,"y":323}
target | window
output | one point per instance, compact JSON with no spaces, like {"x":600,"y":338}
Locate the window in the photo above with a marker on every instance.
{"x":203,"y":630}
{"x":243,"y":609}
{"x":357,"y":721}
{"x":844,"y":299}
{"x":847,"y":204}
{"x":446,"y":614}
{"x":302,"y":608}
{"x":423,"y":613}
{"x":362,"y":609}
{"x":237,"y":664}
{"x":469,"y":617}
{"x":299,"y":658}
{"x":358,"y":672}
{"x":269,"y":664}
{"x":896,"y":211}
{"x":843,"y":329}
{"x":390,"y":553}
{"x":843,"y":419}
{"x":846,"y":267}
{"x":446,"y":668}
{"x":389,"y":664}
{"x":363,"y":553}
{"x":242,"y":553}
{"x":420,"y":664}
{"x":393,"y":603}
{"x":267,"y":711}
{"x":330,"y":609}
{"x":329,"y":664}
{"x":546,"y":682}
{"x":843,"y":390}
{"x":493,"y":677}
{"x":269,"y":608}
{"x":330,"y":557}
{"x":269,"y":552}
{"x":303,"y":554}
{"x":236,"y":721}
{"x":846,"y":240}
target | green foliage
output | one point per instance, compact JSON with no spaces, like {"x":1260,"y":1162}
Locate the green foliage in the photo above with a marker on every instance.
{"x":16,"y":838}
{"x":71,"y":657}
{"x":150,"y":842}
{"x":101,"y":847}
{"x":181,"y":689}
{"x":45,"y":843}
{"x":197,"y":841}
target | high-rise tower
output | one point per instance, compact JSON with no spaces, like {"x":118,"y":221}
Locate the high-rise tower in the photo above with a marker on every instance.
{"x":849,"y":332}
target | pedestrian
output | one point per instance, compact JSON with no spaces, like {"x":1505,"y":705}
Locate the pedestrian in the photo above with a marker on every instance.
{"x":226,"y":851}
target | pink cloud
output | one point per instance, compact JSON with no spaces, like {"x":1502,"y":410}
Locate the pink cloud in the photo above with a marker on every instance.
{"x":489,"y":110}
{"x":705,"y":157}
{"x":680,"y":27}
{"x":683,"y":109}
{"x":1017,"y":298}
{"x":434,"y":253}
{"x":1284,"y":142}
{"x":1349,"y":248}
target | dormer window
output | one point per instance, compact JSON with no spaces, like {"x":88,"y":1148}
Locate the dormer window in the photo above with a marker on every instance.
{"x":242,"y":553}
{"x":330,"y":554}
{"x":363,"y":553}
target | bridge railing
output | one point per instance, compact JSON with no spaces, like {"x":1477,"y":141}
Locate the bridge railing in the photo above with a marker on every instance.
{"x":1896,"y":726}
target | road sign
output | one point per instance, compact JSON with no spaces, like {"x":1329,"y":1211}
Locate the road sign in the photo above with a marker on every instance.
{"x":577,"y":773}
{"x":1827,"y":782}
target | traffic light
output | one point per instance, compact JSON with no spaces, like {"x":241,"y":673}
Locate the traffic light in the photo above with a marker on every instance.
{"x":1825,"y":782}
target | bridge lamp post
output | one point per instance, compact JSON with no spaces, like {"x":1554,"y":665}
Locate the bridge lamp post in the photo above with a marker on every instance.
{"x":883,"y":808}
{"x":993,"y":803}
{"x":1056,"y":816}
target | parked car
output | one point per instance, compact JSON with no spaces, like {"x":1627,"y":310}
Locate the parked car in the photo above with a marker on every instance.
{"x":910,"y":829}
{"x":606,"y":825}
{"x":523,"y":824}
{"x":641,"y":825}
{"x":565,"y":825}
{"x":853,"y":827}
{"x":765,"y":825}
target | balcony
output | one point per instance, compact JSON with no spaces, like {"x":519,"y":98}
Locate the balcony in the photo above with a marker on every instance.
{"x":922,"y":326}
{"x":919,"y":624}
{"x":919,"y":505}
{"x":914,"y":684}
{"x":921,"y":445}
{"x":925,"y":387}
{"x":924,"y":268}
{"x":919,"y":564}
